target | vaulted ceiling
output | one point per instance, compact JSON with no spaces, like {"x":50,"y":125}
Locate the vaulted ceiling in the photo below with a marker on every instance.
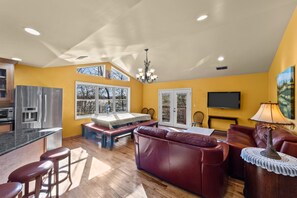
{"x":246,"y":33}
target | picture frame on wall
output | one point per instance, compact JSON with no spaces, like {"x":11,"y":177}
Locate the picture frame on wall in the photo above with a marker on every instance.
{"x":286,"y":92}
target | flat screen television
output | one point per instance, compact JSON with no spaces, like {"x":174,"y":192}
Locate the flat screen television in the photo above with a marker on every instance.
{"x":225,"y":100}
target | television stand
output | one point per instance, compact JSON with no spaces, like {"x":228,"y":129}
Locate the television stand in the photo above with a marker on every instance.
{"x":235,"y":119}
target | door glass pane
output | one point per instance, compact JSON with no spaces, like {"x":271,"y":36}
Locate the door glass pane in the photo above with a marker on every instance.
{"x":165,"y":107}
{"x":181,"y":116}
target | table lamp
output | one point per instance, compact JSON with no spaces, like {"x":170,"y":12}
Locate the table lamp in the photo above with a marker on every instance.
{"x":270,"y":115}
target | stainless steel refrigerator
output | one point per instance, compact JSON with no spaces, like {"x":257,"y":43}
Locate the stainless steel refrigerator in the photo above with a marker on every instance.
{"x":38,"y":107}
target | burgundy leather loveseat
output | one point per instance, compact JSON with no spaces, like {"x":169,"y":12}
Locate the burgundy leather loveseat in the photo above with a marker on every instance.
{"x":239,"y":137}
{"x":193,"y":162}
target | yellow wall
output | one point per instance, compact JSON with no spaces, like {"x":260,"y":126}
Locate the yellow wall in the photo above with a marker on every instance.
{"x":285,"y":57}
{"x":253,"y":88}
{"x":65,"y":77}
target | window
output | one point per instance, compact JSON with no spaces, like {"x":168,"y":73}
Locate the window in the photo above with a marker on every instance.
{"x":93,"y":70}
{"x":121,"y":99}
{"x":105,"y":97}
{"x":95,"y":99}
{"x":85,"y":99}
{"x":118,"y":75}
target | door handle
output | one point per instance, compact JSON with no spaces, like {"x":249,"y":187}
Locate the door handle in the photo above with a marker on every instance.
{"x":45,"y":108}
{"x":40,"y":107}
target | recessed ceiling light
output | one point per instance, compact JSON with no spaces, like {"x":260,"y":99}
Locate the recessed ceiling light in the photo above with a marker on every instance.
{"x":32,"y":31}
{"x":202,"y":17}
{"x":16,"y":59}
{"x":221,"y":58}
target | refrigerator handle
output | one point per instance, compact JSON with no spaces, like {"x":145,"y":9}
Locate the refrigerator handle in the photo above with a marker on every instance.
{"x":40,"y":99}
{"x":45,"y":108}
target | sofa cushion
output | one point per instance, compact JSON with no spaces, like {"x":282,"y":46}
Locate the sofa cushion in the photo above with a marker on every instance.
{"x":192,"y":139}
{"x":152,"y":131}
{"x":280,"y":135}
{"x":261,"y":132}
{"x":240,"y":138}
{"x":260,"y":143}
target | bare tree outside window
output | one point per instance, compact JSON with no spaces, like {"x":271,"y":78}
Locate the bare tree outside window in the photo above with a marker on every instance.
{"x":121,"y":99}
{"x":93,"y":70}
{"x":105,"y":97}
{"x":85,"y":100}
{"x":115,"y":99}
{"x":117,"y":75}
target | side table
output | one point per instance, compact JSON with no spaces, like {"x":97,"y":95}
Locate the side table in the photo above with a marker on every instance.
{"x":265,"y":177}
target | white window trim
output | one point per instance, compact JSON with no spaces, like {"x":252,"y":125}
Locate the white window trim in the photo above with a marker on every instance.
{"x":121,"y":73}
{"x":96,"y":97}
{"x":104,"y":70}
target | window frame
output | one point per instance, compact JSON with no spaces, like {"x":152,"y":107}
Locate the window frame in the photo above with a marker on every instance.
{"x":104,"y":70}
{"x":97,"y":86}
{"x":119,"y":72}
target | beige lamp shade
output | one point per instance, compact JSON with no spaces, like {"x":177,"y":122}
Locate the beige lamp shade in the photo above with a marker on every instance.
{"x":270,"y":113}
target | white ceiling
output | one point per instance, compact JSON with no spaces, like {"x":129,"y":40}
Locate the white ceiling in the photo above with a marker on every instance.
{"x":246,"y":33}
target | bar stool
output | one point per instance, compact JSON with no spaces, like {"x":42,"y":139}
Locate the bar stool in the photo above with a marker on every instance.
{"x":56,"y":155}
{"x":33,"y":171}
{"x":11,"y":190}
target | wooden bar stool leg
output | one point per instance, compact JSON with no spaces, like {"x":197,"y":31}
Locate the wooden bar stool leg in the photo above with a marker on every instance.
{"x":69,"y":168}
{"x":49,"y":183}
{"x":56,"y":172}
{"x":38,"y":183}
{"x":26,"y":188}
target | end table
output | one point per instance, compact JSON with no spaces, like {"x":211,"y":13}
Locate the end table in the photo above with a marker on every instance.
{"x":265,"y":177}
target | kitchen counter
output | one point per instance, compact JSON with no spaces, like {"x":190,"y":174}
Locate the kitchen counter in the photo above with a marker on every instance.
{"x":13,"y":140}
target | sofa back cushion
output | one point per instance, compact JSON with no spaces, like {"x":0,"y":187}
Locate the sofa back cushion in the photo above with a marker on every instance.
{"x":279,"y":135}
{"x":260,"y":135}
{"x":192,"y":139}
{"x":152,"y":131}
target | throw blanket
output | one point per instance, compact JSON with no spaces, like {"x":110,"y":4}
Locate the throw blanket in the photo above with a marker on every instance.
{"x":118,"y":119}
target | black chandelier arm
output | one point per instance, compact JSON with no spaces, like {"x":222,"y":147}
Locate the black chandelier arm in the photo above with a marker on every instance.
{"x":150,"y":80}
{"x":143,"y":76}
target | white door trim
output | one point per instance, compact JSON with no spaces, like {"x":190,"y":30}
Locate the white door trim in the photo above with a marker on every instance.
{"x":173,"y":104}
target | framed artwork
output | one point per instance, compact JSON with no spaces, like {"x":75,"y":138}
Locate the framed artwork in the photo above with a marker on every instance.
{"x":286,"y":92}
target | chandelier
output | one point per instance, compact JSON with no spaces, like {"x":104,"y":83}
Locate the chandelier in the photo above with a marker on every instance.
{"x":146,"y":75}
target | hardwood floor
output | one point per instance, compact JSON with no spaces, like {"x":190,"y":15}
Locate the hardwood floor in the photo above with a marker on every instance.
{"x":99,"y":173}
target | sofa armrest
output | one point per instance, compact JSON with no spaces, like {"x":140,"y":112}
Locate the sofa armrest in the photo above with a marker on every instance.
{"x":289,"y":148}
{"x":214,"y":171}
{"x":212,"y":156}
{"x":244,"y":129}
{"x":237,"y":145}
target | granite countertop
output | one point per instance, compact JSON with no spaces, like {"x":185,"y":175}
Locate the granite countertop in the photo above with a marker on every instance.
{"x":12,"y":140}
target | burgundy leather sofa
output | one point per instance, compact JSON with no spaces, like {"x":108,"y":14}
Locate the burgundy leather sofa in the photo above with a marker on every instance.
{"x":239,"y":137}
{"x":193,"y":162}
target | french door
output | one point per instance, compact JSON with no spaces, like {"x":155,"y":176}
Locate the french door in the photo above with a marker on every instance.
{"x":175,"y":107}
